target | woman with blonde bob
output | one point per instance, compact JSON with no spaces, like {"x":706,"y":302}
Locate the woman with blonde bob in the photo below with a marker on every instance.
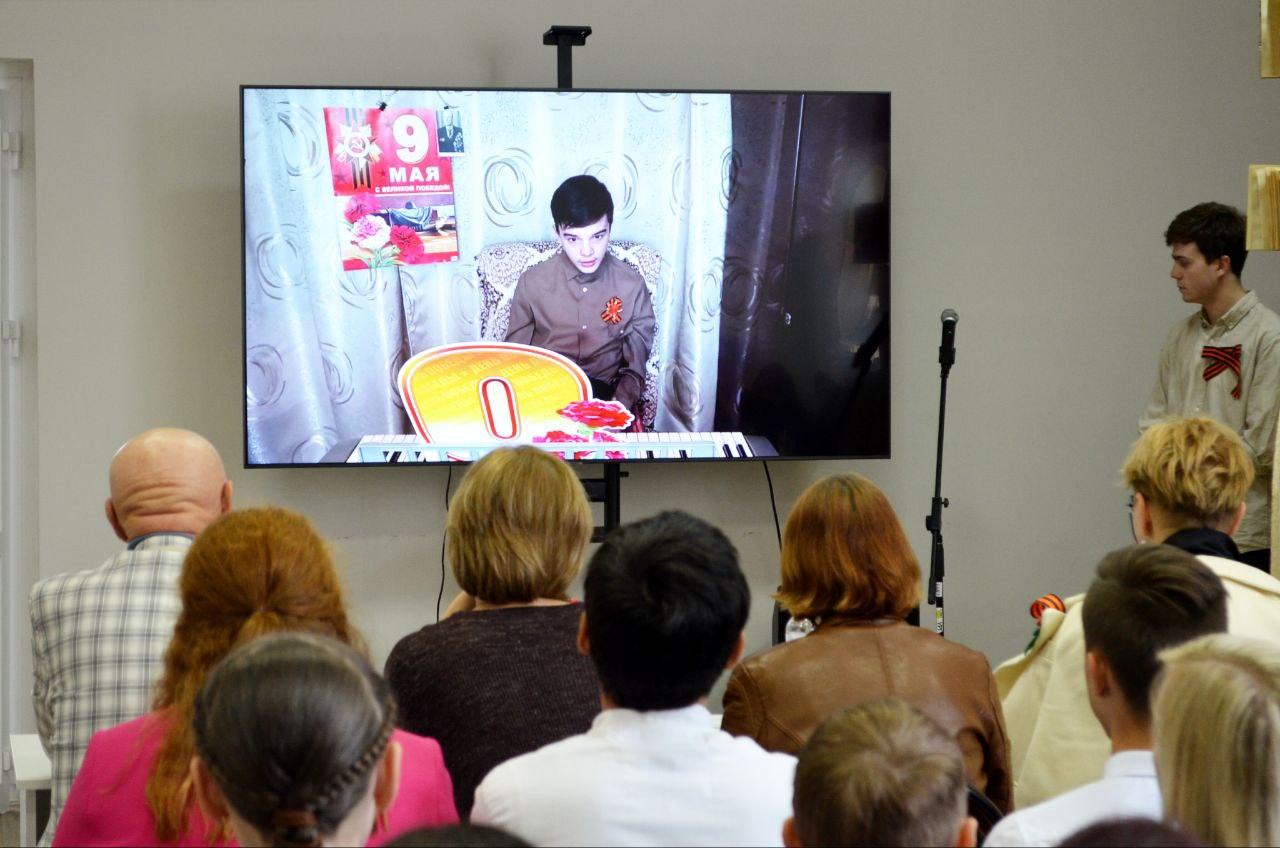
{"x":846,"y":565}
{"x":501,"y":675}
{"x":250,"y":573}
{"x":1189,"y":478}
{"x":1217,"y":739}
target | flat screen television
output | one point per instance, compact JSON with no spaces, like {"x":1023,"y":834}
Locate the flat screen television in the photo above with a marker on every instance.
{"x":614,"y":276}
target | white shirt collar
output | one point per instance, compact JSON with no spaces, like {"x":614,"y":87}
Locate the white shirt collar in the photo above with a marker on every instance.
{"x":694,"y":718}
{"x":1130,"y":764}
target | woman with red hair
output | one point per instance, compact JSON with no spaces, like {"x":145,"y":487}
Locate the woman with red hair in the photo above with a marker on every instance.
{"x":847,"y":565}
{"x":251,"y":572}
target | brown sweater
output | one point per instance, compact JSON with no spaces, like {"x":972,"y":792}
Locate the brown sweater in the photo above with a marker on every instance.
{"x":492,"y":685}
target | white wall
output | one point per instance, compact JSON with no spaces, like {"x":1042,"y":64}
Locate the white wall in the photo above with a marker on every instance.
{"x":1039,"y":150}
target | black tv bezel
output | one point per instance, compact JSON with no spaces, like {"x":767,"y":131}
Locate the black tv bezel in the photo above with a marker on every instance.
{"x":666,"y":461}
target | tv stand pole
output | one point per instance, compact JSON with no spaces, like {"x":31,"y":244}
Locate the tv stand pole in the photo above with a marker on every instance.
{"x":607,"y":488}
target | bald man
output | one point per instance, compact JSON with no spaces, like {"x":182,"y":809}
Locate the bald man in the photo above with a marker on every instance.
{"x":99,"y":636}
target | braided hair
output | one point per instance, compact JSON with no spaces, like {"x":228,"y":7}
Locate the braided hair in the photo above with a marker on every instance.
{"x":291,"y":726}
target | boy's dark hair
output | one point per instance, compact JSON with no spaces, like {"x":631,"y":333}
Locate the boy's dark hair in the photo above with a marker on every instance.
{"x":1132,"y":832}
{"x":1144,"y":599}
{"x":1215,"y":228}
{"x":458,"y":836}
{"x":665,"y":602}
{"x":580,"y":201}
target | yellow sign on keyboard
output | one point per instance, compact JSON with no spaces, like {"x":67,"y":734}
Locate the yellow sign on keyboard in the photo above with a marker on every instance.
{"x":488,"y":392}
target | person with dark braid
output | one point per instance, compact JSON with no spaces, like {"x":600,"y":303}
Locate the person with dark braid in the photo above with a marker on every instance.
{"x":293,"y":743}
{"x":251,"y":573}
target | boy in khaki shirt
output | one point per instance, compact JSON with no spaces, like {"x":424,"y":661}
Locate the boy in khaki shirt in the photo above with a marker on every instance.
{"x":1224,"y":360}
{"x":584,"y":303}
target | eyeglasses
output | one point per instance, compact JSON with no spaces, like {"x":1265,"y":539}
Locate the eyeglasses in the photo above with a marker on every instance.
{"x":1132,"y":532}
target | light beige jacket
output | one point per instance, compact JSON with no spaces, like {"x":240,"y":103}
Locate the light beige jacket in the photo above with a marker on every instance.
{"x":1056,"y":742}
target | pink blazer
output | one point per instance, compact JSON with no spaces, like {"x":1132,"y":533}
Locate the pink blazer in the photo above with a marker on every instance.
{"x":107,"y":804}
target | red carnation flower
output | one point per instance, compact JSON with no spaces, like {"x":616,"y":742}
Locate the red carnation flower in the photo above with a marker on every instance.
{"x":358,"y":206}
{"x":605,"y":414}
{"x":408,"y":242}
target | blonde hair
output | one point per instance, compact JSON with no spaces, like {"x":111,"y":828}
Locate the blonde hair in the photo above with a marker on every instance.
{"x":1217,"y":738}
{"x":844,"y":552}
{"x":518,"y":527}
{"x":1195,"y":468}
{"x":881,"y":773}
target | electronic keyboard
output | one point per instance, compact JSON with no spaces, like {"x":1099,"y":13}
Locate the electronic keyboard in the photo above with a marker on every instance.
{"x":410,"y":449}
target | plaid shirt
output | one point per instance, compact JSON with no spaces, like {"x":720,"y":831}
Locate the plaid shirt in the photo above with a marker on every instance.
{"x":98,"y":639}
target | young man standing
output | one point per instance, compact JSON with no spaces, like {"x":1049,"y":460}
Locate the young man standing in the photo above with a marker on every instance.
{"x":1224,"y":360}
{"x":665,"y":604}
{"x":1144,"y":599}
{"x":585,"y":304}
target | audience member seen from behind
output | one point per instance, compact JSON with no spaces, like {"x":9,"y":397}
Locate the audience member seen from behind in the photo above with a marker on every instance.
{"x":98,"y":637}
{"x":1189,"y":477}
{"x":1131,"y":833}
{"x":1217,"y":739}
{"x":846,"y":564}
{"x":665,"y":606}
{"x":458,"y":836}
{"x":1144,"y":599}
{"x":250,"y":573}
{"x":502,"y":676}
{"x":881,"y":773}
{"x":293,"y":743}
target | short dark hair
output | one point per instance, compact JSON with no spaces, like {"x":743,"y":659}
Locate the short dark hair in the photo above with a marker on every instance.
{"x":665,"y":603}
{"x":1133,"y":832}
{"x":1146,"y":598}
{"x":581,"y":201}
{"x":458,"y":836}
{"x":293,"y":722}
{"x":1215,"y":228}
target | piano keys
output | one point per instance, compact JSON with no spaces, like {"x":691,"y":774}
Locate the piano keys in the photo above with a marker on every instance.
{"x":410,"y":449}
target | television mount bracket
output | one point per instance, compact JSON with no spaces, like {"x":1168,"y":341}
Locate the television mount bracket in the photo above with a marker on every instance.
{"x":564,"y":39}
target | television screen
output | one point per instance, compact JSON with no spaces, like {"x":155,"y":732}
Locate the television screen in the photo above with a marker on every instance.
{"x":609,"y":275}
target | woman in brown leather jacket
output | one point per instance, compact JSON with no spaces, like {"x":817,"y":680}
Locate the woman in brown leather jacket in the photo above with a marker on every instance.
{"x":846,"y":564}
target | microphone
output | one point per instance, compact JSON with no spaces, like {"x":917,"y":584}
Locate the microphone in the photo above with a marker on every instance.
{"x":947,"y":350}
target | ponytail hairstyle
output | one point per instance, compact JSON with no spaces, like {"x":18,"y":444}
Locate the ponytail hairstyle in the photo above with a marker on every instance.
{"x":291,"y":727}
{"x":251,"y":572}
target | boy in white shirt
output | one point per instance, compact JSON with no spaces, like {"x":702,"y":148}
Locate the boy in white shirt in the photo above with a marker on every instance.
{"x":1145,"y":598}
{"x":665,"y":604}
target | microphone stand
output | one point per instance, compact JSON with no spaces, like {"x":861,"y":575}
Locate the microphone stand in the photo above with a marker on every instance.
{"x":933,"y":521}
